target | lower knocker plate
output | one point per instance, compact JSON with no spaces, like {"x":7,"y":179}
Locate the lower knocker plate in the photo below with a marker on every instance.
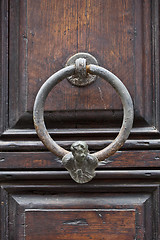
{"x":82,"y":81}
{"x":79,"y":163}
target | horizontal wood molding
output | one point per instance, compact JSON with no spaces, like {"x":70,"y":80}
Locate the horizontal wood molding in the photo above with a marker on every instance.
{"x":46,"y":160}
{"x":14,"y":146}
{"x":61,"y":175}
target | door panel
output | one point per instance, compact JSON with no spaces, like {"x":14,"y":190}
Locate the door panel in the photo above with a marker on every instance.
{"x":116,"y":34}
{"x":80,"y":224}
{"x":38,"y":198}
{"x":99,"y":210}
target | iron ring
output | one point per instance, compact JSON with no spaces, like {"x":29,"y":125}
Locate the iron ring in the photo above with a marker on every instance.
{"x":38,"y":110}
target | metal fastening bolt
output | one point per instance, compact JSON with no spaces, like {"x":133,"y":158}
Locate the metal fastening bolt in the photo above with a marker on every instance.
{"x":80,"y":70}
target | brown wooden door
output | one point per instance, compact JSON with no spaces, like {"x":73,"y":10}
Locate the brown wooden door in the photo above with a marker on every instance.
{"x":39,"y":200}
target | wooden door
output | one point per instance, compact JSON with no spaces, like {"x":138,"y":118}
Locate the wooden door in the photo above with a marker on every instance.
{"x":39,"y":200}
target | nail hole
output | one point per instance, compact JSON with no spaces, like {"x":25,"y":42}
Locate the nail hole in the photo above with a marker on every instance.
{"x":2,"y":159}
{"x":8,"y":176}
{"x":148,"y":174}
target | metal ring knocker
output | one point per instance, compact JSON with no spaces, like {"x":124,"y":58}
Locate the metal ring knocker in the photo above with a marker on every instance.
{"x":79,"y":162}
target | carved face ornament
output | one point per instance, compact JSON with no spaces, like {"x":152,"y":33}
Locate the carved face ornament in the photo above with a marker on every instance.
{"x":79,"y":150}
{"x":80,"y":164}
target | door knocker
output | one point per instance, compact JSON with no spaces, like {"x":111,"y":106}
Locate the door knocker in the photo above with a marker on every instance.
{"x":81,"y":70}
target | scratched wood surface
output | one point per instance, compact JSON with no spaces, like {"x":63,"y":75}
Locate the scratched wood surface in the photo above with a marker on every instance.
{"x":38,"y":198}
{"x":114,"y":32}
{"x":101,"y":29}
{"x":67,"y":225}
{"x":48,"y":161}
{"x":97,"y":211}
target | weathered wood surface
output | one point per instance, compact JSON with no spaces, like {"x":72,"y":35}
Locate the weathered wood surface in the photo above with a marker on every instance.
{"x":116,"y":34}
{"x":104,"y":208}
{"x":36,"y":39}
{"x":46,"y":160}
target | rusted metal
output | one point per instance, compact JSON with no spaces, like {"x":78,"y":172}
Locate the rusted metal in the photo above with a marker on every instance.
{"x":80,"y":70}
{"x":80,"y":154}
{"x":38,"y":110}
{"x":77,"y":79}
{"x":127,"y":109}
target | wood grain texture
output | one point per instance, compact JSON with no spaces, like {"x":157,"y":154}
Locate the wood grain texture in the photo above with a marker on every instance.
{"x":61,"y":175}
{"x":116,"y":34}
{"x":94,"y":26}
{"x":155,"y":59}
{"x":38,"y":198}
{"x":80,"y":224}
{"x":17,"y":61}
{"x":46,"y":160}
{"x":3,"y":66}
{"x":39,"y":210}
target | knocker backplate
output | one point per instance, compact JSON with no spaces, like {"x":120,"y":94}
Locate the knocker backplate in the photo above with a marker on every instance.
{"x":82,"y":81}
